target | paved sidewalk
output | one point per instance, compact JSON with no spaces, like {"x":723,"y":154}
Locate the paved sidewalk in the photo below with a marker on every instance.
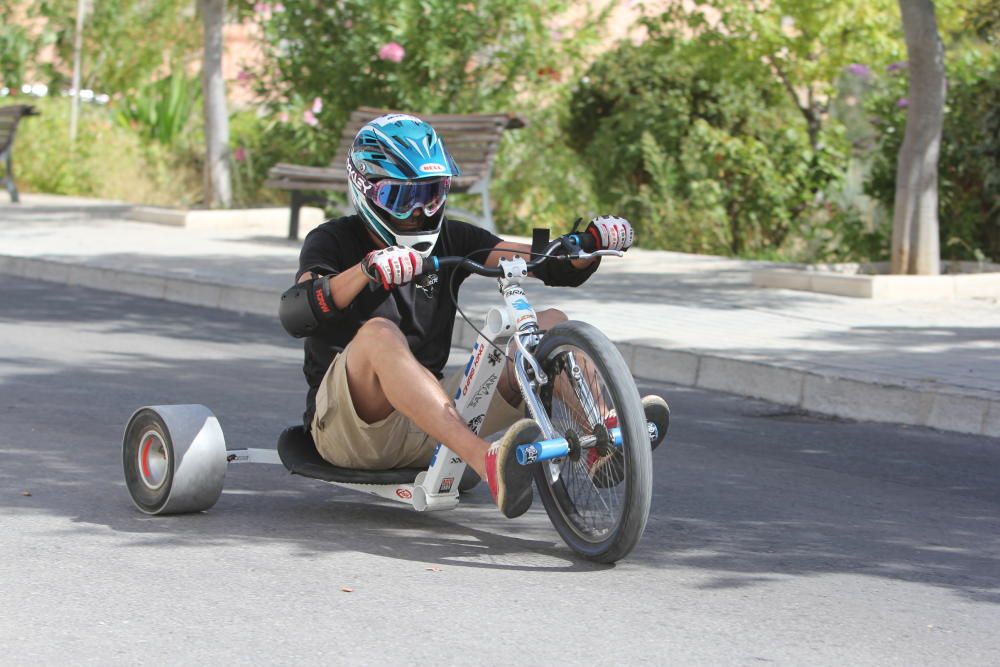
{"x":689,"y":319}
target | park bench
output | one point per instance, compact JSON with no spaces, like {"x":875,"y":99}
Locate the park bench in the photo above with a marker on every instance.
{"x":471,"y":139}
{"x":10,"y":116}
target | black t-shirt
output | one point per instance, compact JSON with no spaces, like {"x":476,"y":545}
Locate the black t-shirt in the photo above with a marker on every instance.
{"x":422,"y":309}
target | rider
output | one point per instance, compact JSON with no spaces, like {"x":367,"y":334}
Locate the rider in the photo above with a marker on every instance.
{"x":373,"y":357}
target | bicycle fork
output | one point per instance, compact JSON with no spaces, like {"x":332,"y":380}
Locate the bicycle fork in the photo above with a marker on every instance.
{"x":554,"y":447}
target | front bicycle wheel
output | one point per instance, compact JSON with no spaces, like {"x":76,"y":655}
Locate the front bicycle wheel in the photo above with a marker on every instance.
{"x":598,"y":497}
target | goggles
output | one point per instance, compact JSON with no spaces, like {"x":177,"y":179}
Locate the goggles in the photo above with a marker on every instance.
{"x":401,"y":198}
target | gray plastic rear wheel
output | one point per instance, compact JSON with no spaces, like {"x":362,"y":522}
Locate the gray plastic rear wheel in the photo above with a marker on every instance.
{"x":174,"y":459}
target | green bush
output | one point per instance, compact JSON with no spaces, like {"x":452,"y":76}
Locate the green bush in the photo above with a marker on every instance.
{"x":538,"y":179}
{"x":163,"y":109}
{"x":125,"y":41}
{"x":422,"y":56}
{"x":969,"y":163}
{"x":257,"y":142}
{"x":701,"y":160}
{"x":16,"y":49}
{"x":108,"y":161}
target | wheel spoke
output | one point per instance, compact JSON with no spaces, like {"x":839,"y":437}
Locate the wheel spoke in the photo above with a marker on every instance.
{"x":599,"y":502}
{"x":593,"y":511}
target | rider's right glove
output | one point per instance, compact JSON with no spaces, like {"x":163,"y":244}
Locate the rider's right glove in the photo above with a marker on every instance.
{"x":611,"y":232}
{"x":392,"y":266}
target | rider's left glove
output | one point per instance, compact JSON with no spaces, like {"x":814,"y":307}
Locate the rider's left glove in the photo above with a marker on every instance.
{"x":392,"y":266}
{"x":611,"y":232}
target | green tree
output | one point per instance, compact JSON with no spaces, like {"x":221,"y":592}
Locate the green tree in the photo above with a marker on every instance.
{"x":430,"y":56}
{"x":803,"y":45}
{"x":17,"y":47}
{"x":703,"y":159}
{"x":969,"y":163}
{"x":126,"y":42}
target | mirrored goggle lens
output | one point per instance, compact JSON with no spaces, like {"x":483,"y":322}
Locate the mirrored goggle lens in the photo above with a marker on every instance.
{"x":403,"y":197}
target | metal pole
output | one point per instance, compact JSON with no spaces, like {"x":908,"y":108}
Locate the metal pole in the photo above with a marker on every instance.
{"x":81,"y":9}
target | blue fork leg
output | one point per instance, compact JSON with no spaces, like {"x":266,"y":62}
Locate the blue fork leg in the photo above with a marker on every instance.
{"x":543,"y":450}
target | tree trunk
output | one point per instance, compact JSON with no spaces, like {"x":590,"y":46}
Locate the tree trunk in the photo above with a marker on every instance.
{"x":218,"y":186}
{"x":915,"y":243}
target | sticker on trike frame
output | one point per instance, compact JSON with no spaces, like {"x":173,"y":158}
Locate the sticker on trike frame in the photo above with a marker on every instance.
{"x":482,"y":372}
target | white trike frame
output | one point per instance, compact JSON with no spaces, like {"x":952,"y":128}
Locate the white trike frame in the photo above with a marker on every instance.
{"x":437,"y":487}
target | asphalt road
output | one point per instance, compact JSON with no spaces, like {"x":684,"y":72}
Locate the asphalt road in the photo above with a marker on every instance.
{"x":775,"y":537}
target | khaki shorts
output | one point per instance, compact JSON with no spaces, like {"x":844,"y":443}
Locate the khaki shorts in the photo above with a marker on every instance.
{"x":346,"y":440}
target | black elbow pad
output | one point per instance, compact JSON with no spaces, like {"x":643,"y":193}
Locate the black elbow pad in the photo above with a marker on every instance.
{"x":296,"y":310}
{"x":308,"y":306}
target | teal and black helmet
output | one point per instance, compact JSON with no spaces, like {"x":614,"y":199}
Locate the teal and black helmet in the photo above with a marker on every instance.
{"x":396,"y":166}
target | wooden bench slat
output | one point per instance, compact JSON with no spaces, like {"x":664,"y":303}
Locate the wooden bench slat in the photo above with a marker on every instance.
{"x":511,"y":121}
{"x":454,"y":147}
{"x":459,"y":150}
{"x":341,"y":177}
{"x":332,"y":173}
{"x":472,"y":140}
{"x":459,"y":187}
{"x":447,"y":137}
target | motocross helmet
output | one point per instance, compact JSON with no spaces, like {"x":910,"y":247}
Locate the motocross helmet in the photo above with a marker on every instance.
{"x":396,"y":166}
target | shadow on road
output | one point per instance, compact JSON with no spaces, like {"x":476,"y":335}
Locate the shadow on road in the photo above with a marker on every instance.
{"x":745,"y":492}
{"x":756,"y":492}
{"x":114,"y":313}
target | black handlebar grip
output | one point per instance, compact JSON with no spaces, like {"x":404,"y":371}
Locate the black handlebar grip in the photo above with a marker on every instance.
{"x":585,"y":240}
{"x":430,"y":265}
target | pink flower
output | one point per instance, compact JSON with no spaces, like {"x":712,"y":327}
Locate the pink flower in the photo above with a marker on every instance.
{"x":260,"y":7}
{"x":392,"y":52}
{"x":243,"y":75}
{"x":240,"y":154}
{"x":348,"y":24}
{"x":310,"y":118}
{"x":278,"y":8}
{"x":317,"y":105}
{"x":903,"y":103}
{"x":283,"y":116}
{"x":859,"y":70}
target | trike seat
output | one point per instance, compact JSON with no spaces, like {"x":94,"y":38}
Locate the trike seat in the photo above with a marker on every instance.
{"x":297,"y":452}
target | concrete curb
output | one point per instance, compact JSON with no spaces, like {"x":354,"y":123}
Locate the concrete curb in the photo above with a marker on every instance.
{"x":840,"y":394}
{"x":863,"y":397}
{"x":942,"y":288}
{"x":180,"y":290}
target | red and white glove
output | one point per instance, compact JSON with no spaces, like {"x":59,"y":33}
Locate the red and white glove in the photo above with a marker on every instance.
{"x":611,"y":232}
{"x":392,"y":266}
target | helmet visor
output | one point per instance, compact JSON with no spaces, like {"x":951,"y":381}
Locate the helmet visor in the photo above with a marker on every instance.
{"x":400,"y":198}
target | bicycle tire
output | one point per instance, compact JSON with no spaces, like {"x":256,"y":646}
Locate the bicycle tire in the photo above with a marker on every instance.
{"x":620,"y":397}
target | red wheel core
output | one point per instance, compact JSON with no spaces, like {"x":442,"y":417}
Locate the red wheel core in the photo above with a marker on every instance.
{"x":154,"y":460}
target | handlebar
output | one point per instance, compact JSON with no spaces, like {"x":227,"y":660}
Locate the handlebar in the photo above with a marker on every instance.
{"x":579,"y":246}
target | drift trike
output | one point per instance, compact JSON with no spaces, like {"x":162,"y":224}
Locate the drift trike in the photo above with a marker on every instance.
{"x":592,"y":467}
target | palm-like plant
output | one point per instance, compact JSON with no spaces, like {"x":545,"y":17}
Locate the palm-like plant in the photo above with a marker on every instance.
{"x":162,"y":109}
